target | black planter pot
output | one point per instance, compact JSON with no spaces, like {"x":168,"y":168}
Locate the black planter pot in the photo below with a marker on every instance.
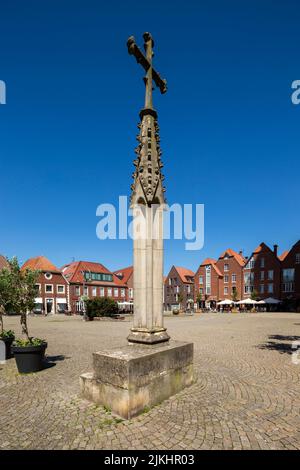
{"x":29,"y":358}
{"x":8,"y":343}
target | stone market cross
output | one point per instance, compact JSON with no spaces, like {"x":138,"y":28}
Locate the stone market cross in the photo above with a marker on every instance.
{"x":147,"y":202}
{"x":150,"y":368}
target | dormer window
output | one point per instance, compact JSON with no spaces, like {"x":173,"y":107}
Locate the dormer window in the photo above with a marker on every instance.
{"x":48,"y":276}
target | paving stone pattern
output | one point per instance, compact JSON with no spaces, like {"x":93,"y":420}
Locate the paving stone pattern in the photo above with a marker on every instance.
{"x":246,"y":394}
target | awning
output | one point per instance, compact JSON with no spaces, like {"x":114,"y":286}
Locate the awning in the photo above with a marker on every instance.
{"x":62,"y":300}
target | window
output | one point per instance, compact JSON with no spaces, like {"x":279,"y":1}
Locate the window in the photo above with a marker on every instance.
{"x":60,"y":289}
{"x":270,"y":288}
{"x":233,"y":289}
{"x":226,"y":278}
{"x":94,"y":291}
{"x":225,"y":290}
{"x":131,"y":293}
{"x":85,"y":290}
{"x":288,"y":275}
{"x":77,"y":290}
{"x":101,"y":291}
{"x":297,"y":258}
{"x":262,"y":262}
{"x":49,"y":288}
{"x":208,"y":279}
{"x":262,"y":275}
{"x":201,"y":290}
{"x":188,"y":289}
{"x":270,"y":275}
{"x":226,"y":267}
{"x":109,"y":292}
{"x":262,"y":288}
{"x":250,"y":264}
{"x":200,"y":279}
{"x":233,"y":278}
{"x":122,"y":292}
{"x":170,"y":281}
{"x":38,"y":288}
{"x":288,"y":287}
{"x":248,"y":289}
{"x":88,"y":275}
{"x":48,"y":276}
{"x":116,"y":292}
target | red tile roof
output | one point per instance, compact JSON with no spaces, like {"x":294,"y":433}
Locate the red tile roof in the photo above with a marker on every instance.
{"x":208,"y":261}
{"x":283,"y":255}
{"x":124,"y":274}
{"x":3,"y":262}
{"x":40,"y":263}
{"x":73,"y":273}
{"x":212,"y":262}
{"x":239,"y":258}
{"x":184,"y":274}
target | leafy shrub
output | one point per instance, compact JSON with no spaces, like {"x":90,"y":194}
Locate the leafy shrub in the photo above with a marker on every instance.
{"x":23,"y":343}
{"x":7,"y":334}
{"x":101,"y":307}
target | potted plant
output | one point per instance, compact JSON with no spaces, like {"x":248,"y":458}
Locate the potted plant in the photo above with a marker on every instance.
{"x":175,"y":311}
{"x":29,"y":352}
{"x":7,"y":336}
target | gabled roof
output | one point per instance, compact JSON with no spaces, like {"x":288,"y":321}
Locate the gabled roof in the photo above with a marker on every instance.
{"x":283,"y":255}
{"x":40,"y":263}
{"x":184,"y":273}
{"x":3,"y":262}
{"x":124,"y":274}
{"x":208,"y":261}
{"x":73,"y":273}
{"x":237,"y":256}
{"x":261,"y":247}
{"x":212,"y":262}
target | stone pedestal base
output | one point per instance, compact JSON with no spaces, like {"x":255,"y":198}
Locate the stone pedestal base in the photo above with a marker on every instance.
{"x":134,"y":377}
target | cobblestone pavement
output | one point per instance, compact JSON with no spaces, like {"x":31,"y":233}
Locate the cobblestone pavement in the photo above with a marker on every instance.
{"x":246,"y":394}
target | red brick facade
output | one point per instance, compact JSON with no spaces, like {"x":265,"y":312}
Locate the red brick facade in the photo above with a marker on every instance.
{"x":231,"y":265}
{"x":92,"y":280}
{"x":179,"y":288}
{"x":262,"y":273}
{"x":207,"y":283}
{"x":52,"y":288}
{"x":290,"y":274}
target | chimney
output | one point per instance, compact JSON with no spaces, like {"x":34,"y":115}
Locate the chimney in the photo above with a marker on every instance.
{"x":241,"y":252}
{"x":275,"y":250}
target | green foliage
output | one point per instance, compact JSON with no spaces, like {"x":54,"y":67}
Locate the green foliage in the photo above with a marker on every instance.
{"x":101,"y":307}
{"x":234,"y":295}
{"x":7,"y":334}
{"x":17,"y":292}
{"x":254,"y":295}
{"x":29,"y":342}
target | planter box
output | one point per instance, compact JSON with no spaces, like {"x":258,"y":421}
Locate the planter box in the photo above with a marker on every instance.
{"x":29,"y":358}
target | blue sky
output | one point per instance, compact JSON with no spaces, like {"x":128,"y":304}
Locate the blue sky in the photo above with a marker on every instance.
{"x":229,"y":132}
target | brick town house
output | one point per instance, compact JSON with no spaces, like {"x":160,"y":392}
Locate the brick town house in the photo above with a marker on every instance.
{"x":290,"y":276}
{"x":231,"y":265}
{"x":179,"y":288}
{"x":52,"y":288}
{"x":126,"y":276}
{"x":207,"y":283}
{"x":262,"y":273}
{"x":91,"y":279}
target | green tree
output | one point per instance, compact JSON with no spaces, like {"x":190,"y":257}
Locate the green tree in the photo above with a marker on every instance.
{"x":254,"y":295}
{"x":21,"y":287}
{"x":234,"y":295}
{"x":199,"y":299}
{"x":101,"y":307}
{"x":180,"y":298}
{"x":5,"y":295}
